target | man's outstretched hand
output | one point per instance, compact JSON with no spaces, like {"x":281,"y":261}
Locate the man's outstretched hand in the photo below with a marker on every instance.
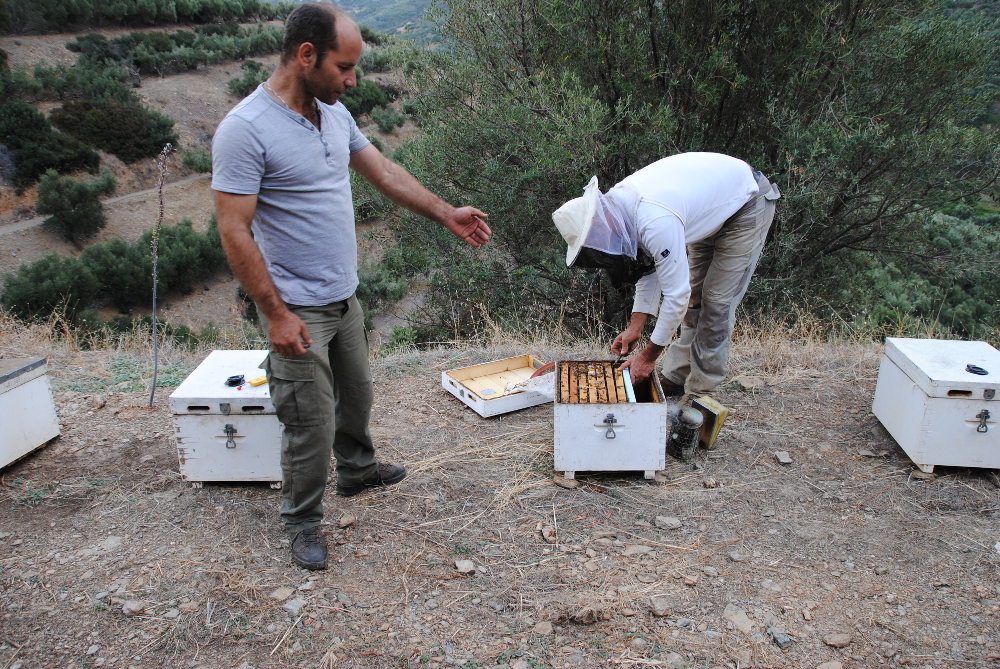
{"x":469,"y":224}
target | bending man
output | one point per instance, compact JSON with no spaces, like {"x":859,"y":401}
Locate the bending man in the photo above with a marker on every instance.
{"x":720,"y":210}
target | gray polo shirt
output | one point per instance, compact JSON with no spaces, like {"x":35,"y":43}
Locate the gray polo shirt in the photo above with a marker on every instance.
{"x":304,"y":224}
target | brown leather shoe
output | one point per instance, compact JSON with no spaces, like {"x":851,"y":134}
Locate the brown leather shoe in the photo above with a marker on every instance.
{"x":309,"y":549}
{"x":385,"y":474}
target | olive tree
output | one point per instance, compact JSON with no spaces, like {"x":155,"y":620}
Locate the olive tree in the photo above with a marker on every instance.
{"x":862,"y":112}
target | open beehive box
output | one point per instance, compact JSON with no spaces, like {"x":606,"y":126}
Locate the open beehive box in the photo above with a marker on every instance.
{"x":603,"y":423}
{"x":488,"y":388}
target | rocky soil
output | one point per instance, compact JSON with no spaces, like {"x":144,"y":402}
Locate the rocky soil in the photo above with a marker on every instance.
{"x":843,"y":557}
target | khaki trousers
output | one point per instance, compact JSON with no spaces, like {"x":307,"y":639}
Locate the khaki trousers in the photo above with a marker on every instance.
{"x":721,"y":267}
{"x":324,"y":400}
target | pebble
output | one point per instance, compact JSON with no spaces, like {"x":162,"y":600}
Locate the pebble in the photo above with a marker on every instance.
{"x":172,"y":613}
{"x":738,"y":618}
{"x":780,"y":637}
{"x":837,"y":640}
{"x":710,"y":483}
{"x":294,"y":606}
{"x":543,"y":628}
{"x":783,"y":457}
{"x":659,"y":606}
{"x":667,"y":522}
{"x":647,"y":578}
{"x":737,"y":556}
{"x":133,"y":607}
{"x":691,"y":580}
{"x":93,"y":650}
{"x":548,"y":533}
{"x":465,"y":566}
{"x":637,"y":549}
{"x":749,"y":382}
{"x":346,"y":520}
{"x":674,"y":661}
{"x":710,"y":571}
{"x":638,"y":643}
{"x":563,"y":482}
{"x":281,"y":594}
{"x":832,"y":664}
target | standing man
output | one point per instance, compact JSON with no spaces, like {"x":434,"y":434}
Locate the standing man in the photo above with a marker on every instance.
{"x":720,"y":210}
{"x":285,"y":215}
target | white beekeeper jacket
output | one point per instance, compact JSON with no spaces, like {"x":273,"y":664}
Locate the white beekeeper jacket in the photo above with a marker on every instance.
{"x":676,"y":201}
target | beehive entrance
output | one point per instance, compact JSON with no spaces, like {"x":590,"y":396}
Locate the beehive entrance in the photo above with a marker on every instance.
{"x":591,"y":382}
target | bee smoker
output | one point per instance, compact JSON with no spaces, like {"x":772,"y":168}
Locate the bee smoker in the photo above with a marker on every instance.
{"x":685,"y":427}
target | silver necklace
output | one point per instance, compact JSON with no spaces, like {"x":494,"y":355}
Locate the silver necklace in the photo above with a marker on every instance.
{"x":270,"y":89}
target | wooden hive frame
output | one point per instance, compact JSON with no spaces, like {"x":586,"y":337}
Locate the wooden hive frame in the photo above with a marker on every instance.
{"x":594,"y":382}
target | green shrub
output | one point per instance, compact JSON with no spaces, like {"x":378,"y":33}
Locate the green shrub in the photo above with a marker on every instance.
{"x":377,"y":143}
{"x":375,"y":60}
{"x":115,"y":272}
{"x":370,"y":36}
{"x":49,"y":284}
{"x":73,"y":207}
{"x":128,"y":130}
{"x":52,"y":15}
{"x":197,"y":161}
{"x":253,"y":74}
{"x":365,"y":97}
{"x":124,"y":272}
{"x":36,"y":148}
{"x":185,"y":255}
{"x":387,"y":119}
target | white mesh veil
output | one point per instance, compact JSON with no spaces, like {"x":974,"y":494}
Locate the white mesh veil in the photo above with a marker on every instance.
{"x":613,"y":230}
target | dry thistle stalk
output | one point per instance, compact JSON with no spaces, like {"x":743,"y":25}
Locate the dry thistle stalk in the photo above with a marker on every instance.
{"x":161,"y":167}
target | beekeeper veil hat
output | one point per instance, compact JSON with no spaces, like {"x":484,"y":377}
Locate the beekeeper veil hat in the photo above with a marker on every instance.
{"x":575,"y":218}
{"x":595,"y":221}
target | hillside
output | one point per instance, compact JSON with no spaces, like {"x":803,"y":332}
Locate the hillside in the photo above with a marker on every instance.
{"x":196,"y":101}
{"x":114,"y":561}
{"x":404,"y":18}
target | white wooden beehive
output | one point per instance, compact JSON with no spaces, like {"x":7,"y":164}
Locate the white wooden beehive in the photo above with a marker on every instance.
{"x":484,"y":388}
{"x":597,"y":428}
{"x":933,"y":404}
{"x":27,"y":414}
{"x":227,"y":433}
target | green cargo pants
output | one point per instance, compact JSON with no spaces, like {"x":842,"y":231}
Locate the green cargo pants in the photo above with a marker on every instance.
{"x":324,"y":400}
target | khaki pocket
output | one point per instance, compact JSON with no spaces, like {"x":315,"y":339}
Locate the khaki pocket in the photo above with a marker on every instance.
{"x":298,"y":396}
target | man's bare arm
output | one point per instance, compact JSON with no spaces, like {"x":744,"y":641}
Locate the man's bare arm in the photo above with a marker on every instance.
{"x":396,"y":183}
{"x":235,"y":213}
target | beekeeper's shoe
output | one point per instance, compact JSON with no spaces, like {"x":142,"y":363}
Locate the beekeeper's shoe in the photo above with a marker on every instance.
{"x":384,"y":474}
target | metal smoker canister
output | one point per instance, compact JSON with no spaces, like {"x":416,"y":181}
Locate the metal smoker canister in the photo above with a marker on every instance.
{"x":684,"y":433}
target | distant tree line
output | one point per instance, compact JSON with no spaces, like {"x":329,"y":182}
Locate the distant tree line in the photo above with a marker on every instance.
{"x":161,"y":53}
{"x":868,"y":116}
{"x":30,"y":16}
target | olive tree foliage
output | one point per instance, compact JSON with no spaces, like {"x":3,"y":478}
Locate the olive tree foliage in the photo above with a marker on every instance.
{"x":861,"y":112}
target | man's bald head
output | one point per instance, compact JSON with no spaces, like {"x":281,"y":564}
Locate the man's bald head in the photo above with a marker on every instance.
{"x":316,"y":23}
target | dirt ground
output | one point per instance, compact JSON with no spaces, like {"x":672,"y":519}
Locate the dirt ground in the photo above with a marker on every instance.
{"x":845,"y":555}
